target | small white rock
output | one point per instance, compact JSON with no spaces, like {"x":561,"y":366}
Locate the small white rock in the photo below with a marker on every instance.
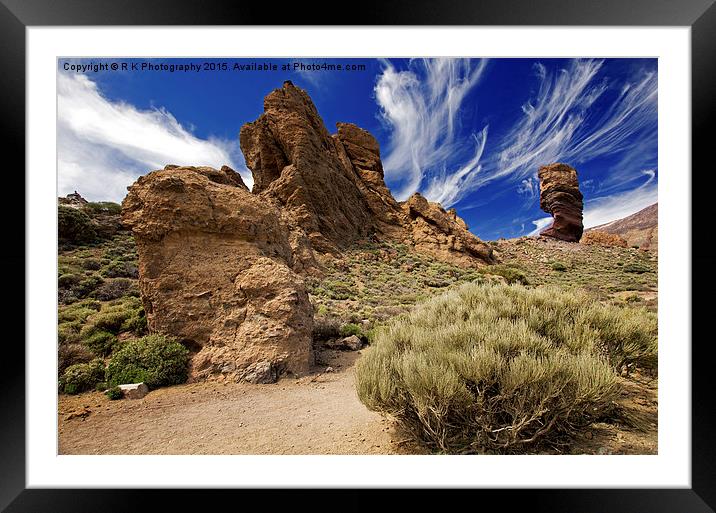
{"x":134,"y":390}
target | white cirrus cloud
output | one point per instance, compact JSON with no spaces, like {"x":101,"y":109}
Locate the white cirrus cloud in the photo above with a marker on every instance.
{"x":421,"y":105}
{"x":103,"y":145}
{"x":605,"y":209}
{"x":540,"y":224}
{"x":558,"y":125}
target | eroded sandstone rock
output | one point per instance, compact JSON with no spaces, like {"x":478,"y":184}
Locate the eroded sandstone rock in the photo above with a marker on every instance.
{"x":560,"y":196}
{"x":333,"y":187}
{"x":600,"y":238}
{"x":441,"y":233}
{"x":215,"y":271}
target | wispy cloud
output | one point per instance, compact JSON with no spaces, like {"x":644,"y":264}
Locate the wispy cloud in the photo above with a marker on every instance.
{"x":605,"y":209}
{"x":540,"y":224}
{"x":103,"y":146}
{"x":421,"y":105}
{"x":558,"y":124}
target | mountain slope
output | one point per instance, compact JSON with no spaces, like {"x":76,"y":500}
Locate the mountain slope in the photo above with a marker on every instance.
{"x":640,"y":229}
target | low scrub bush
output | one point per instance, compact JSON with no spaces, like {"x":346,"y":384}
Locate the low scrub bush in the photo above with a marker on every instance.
{"x":82,"y":377}
{"x":559,"y":267}
{"x":105,"y":207}
{"x":498,"y":368}
{"x":114,"y":393}
{"x":511,"y":274}
{"x":72,"y":353}
{"x":120,"y":269}
{"x":155,"y":359}
{"x":115,"y":289}
{"x":636,"y":268}
{"x":74,"y":226}
{"x":349,"y":329}
{"x":101,"y":343}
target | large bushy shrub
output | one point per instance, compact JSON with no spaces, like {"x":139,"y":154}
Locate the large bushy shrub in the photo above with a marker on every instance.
{"x":155,"y":359}
{"x":82,"y":377}
{"x":74,"y":226}
{"x":499,"y":368}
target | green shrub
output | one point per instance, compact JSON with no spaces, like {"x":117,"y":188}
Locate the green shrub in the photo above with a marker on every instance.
{"x":349,"y":329}
{"x":338,"y":290}
{"x":100,"y":343}
{"x":559,"y":267}
{"x":497,"y":368}
{"x":510,"y":273}
{"x":106,"y":207}
{"x":635,"y":268}
{"x":82,"y":377}
{"x":87,"y":286}
{"x":116,"y":288}
{"x":114,"y":393}
{"x":120,"y":269}
{"x":155,"y":359}
{"x":74,"y":226}
{"x":120,"y":315}
{"x":91,"y":264}
{"x":101,"y":386}
{"x":66,"y":281}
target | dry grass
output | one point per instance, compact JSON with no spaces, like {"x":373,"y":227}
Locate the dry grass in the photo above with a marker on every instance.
{"x":499,"y":368}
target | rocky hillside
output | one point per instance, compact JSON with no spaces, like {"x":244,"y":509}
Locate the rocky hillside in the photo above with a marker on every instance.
{"x":640,"y":230}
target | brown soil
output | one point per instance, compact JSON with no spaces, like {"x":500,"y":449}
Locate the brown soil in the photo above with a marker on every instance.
{"x":316,"y":414}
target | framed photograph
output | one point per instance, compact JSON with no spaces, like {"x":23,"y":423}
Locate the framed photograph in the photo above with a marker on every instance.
{"x":445,"y":247}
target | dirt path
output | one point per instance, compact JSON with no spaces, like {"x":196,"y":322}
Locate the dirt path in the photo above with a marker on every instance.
{"x":317,"y":414}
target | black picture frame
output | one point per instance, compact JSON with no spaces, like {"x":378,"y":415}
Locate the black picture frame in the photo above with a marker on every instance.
{"x":17,"y":15}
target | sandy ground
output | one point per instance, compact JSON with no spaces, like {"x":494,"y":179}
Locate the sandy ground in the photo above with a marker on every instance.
{"x":317,"y":414}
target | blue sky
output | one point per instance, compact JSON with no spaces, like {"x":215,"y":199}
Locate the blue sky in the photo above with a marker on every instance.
{"x":469,"y":133}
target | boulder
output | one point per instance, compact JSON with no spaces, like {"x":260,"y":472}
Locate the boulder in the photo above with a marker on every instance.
{"x":134,"y":390}
{"x":215,"y":271}
{"x":560,"y":196}
{"x":351,"y":343}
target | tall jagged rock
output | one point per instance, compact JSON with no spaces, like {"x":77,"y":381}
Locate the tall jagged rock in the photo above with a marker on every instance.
{"x":333,"y":186}
{"x":295,"y":161}
{"x":560,"y":196}
{"x":215,"y":271}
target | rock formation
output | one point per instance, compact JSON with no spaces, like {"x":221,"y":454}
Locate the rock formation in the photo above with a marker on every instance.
{"x":332,"y":187}
{"x":220,"y":266}
{"x":600,"y":238}
{"x":638,"y":230}
{"x":559,"y":196}
{"x":215,"y":271}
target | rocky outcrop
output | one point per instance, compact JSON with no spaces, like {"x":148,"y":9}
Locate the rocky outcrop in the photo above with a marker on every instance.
{"x":600,"y":238}
{"x":332,"y":187}
{"x":74,"y":200}
{"x":441,"y":233}
{"x":215,"y":271}
{"x":220,"y":266}
{"x":560,"y":197}
{"x":638,"y":230}
{"x":296,"y":163}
